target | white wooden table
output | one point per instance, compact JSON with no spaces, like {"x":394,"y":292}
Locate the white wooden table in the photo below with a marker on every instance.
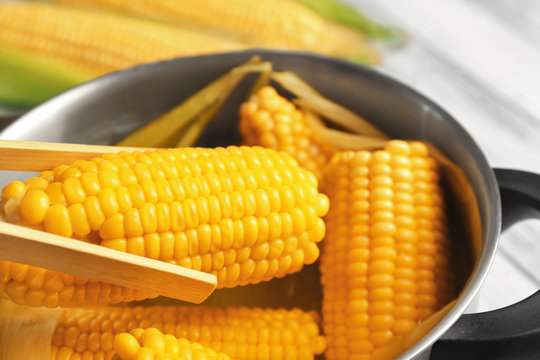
{"x":480,"y":60}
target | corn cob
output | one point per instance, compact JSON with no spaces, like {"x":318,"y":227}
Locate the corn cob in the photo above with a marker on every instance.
{"x":153,"y":344}
{"x":242,"y":333}
{"x":268,"y":119}
{"x":99,"y":42}
{"x":244,"y":214}
{"x":386,"y":232}
{"x":263,"y":23}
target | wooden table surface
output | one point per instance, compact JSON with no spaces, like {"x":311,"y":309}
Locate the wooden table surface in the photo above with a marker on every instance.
{"x":480,"y":60}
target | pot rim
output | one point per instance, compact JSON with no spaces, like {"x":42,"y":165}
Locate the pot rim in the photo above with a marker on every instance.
{"x":490,"y":235}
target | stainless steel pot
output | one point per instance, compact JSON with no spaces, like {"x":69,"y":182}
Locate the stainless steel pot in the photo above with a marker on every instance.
{"x":104,"y":110}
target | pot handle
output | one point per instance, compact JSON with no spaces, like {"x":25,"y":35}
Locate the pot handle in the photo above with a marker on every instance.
{"x":512,"y":332}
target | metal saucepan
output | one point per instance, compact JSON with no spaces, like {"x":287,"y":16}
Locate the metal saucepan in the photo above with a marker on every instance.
{"x":106,"y":109}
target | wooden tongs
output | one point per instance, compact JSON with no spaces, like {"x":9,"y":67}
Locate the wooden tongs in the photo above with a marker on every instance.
{"x":33,"y":247}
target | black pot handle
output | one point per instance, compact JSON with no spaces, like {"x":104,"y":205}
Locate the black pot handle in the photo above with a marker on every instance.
{"x":512,"y":332}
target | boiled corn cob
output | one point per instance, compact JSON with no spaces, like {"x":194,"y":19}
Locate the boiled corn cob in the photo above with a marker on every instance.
{"x":244,"y":214}
{"x":386,"y":234}
{"x":242,"y":333}
{"x":270,"y":120}
{"x":263,"y":23}
{"x":99,"y":42}
{"x":153,"y":344}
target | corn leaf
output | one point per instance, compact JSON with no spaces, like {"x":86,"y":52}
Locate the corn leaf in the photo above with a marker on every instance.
{"x":333,"y":112}
{"x":351,"y":17}
{"x":166,"y":130}
{"x":27,"y":80}
{"x":295,"y":84}
{"x":343,"y":140}
{"x":195,"y":128}
{"x":262,"y":80}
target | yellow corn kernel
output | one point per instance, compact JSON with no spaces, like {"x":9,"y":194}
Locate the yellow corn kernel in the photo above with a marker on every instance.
{"x":56,"y":221}
{"x":229,"y":235}
{"x":124,"y":199}
{"x":108,"y":202}
{"x":12,"y":190}
{"x":73,"y":190}
{"x":79,"y":221}
{"x":112,"y":228}
{"x":55,"y":193}
{"x":95,"y":216}
{"x":36,"y":183}
{"x":90,"y":183}
{"x":33,"y":206}
{"x":132,"y":223}
{"x":126,"y":346}
{"x":379,"y":273}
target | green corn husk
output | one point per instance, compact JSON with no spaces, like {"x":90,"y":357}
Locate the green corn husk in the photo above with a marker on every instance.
{"x":27,"y":80}
{"x":311,"y":99}
{"x":183,"y":124}
{"x":350,"y":16}
{"x":191,"y":133}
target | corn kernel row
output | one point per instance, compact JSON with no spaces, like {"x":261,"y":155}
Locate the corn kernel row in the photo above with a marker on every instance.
{"x":242,"y":333}
{"x":434,"y":254}
{"x":152,"y":344}
{"x":34,"y":286}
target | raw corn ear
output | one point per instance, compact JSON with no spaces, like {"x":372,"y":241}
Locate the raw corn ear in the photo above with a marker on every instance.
{"x":245,"y":214}
{"x":98,"y":42}
{"x":264,"y":23}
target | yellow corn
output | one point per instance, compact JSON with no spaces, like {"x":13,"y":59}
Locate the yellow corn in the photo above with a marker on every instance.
{"x":99,"y":42}
{"x":434,"y":253}
{"x":263,"y":23}
{"x":242,"y":333}
{"x":270,"y":120}
{"x":244,"y":214}
{"x":385,"y":263}
{"x":153,"y":344}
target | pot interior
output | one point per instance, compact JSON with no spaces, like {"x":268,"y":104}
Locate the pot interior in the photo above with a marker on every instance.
{"x":104,"y":110}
